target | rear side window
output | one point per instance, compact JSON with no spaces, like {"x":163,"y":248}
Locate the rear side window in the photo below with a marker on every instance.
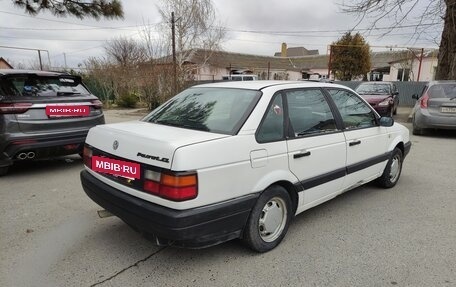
{"x":271,"y":128}
{"x":40,"y":86}
{"x":442,"y":90}
{"x":218,"y":110}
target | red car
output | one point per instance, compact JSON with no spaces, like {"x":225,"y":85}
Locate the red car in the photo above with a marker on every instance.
{"x":382,"y":96}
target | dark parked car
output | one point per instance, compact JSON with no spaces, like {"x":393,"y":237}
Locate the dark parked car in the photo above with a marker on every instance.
{"x":382,"y":96}
{"x":43,"y":114}
{"x":435,"y":108}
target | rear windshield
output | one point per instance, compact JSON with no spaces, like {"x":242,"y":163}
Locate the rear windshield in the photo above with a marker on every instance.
{"x":218,"y":110}
{"x":442,"y":90}
{"x":373,"y":89}
{"x":31,"y":85}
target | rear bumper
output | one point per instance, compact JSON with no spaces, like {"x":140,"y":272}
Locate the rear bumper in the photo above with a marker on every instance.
{"x":44,"y":145}
{"x":192,"y":228}
{"x":424,"y":120}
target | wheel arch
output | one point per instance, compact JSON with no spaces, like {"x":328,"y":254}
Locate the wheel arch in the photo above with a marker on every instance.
{"x":292,"y":191}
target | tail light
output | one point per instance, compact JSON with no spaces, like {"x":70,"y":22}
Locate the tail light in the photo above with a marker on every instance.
{"x":87,"y":156}
{"x":14,"y":108}
{"x":172,"y":186}
{"x":424,"y":101}
{"x":97,"y":104}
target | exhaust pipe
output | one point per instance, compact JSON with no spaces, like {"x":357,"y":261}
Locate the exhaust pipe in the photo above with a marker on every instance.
{"x":22,"y":156}
{"x":26,"y":155}
{"x":104,"y":213}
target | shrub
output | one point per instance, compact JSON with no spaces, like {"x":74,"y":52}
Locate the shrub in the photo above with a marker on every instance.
{"x":127,"y":100}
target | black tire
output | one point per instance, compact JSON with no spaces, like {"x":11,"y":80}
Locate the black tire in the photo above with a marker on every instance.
{"x":392,"y":171}
{"x":275,"y":202}
{"x":4,"y":170}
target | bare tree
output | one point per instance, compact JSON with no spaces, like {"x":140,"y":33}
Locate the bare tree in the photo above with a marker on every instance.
{"x":196,"y":28}
{"x":432,"y":15}
{"x":125,"y":52}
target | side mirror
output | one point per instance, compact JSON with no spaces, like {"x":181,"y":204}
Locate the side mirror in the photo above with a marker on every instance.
{"x":386,"y":121}
{"x":395,"y":93}
{"x":415,"y":96}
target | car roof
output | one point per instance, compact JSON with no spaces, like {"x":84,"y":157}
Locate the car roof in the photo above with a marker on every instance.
{"x":442,"y":82}
{"x":35,"y":72}
{"x":259,"y":85}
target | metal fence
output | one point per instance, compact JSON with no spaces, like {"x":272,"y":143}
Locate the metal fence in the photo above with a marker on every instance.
{"x":406,"y":90}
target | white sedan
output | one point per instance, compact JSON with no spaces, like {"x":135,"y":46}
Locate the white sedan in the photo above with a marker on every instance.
{"x":239,"y":160}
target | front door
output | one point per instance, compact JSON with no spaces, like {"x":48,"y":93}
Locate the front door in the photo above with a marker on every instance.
{"x":366,"y":140}
{"x":316,"y":147}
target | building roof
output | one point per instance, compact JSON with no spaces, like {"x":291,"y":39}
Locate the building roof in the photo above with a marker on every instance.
{"x":297,"y":52}
{"x":2,"y":60}
{"x":238,"y":61}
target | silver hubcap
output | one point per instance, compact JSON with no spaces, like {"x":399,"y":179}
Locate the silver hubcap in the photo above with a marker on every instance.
{"x":272,"y":219}
{"x":395,"y":168}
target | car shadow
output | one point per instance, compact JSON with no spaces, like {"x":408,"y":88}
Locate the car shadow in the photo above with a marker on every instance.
{"x":447,"y":134}
{"x":41,"y":166}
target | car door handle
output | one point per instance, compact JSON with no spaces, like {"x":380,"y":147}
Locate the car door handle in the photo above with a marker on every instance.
{"x":354,"y":143}
{"x":302,"y":154}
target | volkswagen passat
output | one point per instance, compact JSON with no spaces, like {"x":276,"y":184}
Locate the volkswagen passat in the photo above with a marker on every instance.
{"x":239,"y":160}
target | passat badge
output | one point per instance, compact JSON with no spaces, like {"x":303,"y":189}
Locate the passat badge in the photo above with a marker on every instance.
{"x":115,"y":145}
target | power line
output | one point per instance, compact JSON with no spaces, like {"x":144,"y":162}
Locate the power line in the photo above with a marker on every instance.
{"x":275,"y":32}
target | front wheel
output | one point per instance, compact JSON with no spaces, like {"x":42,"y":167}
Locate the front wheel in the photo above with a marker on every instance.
{"x":269,"y":220}
{"x":392,"y":171}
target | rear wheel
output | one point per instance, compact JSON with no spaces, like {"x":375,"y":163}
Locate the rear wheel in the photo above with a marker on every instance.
{"x":392,"y":171}
{"x":269,"y":220}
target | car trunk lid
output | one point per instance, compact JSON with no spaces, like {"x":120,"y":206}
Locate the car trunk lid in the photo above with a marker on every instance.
{"x":143,"y":142}
{"x":445,"y":107}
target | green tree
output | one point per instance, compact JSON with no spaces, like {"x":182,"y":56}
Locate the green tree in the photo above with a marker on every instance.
{"x":350,"y":57}
{"x":109,"y":9}
{"x":430,"y":15}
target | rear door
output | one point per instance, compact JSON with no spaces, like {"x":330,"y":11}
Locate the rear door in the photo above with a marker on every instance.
{"x":52,"y":103}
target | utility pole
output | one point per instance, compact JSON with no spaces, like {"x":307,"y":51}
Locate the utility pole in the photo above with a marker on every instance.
{"x":64,"y":58}
{"x":173,"y":33}
{"x":39,"y":57}
{"x":329,"y":62}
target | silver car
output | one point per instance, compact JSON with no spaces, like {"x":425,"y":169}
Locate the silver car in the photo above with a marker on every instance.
{"x":435,"y":107}
{"x":44,"y":114}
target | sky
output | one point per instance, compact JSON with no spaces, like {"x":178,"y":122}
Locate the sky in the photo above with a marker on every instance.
{"x":252,"y":27}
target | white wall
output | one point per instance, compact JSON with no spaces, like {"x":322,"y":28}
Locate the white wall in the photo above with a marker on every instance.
{"x":427,"y":69}
{"x":209,"y":73}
